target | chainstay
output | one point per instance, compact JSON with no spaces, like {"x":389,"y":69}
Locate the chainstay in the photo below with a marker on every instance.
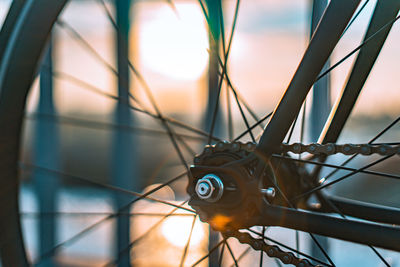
{"x":346,"y":149}
{"x":271,"y":250}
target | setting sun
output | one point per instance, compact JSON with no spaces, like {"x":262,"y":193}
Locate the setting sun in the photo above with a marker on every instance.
{"x":174,"y":44}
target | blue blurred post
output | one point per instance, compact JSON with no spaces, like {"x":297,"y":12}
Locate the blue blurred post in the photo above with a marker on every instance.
{"x":46,"y":154}
{"x":214,"y":7}
{"x":213,"y":78}
{"x":124,"y":171}
{"x":321,"y":101}
{"x":320,"y":108}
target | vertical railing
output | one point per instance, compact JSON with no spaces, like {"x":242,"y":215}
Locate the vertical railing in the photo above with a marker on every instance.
{"x":320,"y":108}
{"x":124,"y":170}
{"x":46,"y":154}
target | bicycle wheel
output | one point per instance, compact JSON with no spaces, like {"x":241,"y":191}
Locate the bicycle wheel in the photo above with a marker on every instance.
{"x":17,"y":74}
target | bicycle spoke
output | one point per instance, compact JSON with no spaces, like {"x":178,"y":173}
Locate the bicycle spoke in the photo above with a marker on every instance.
{"x":209,"y":252}
{"x":289,"y":202}
{"x":335,"y":208}
{"x":322,"y":249}
{"x":235,"y":17}
{"x":112,"y":20}
{"x":253,"y":126}
{"x":241,"y":256}
{"x":128,"y":248}
{"x":171,"y":134}
{"x":203,"y":9}
{"x":138,"y":75}
{"x":221,"y":255}
{"x":310,"y":234}
{"x":318,"y":188}
{"x":73,"y":33}
{"x":185,"y":145}
{"x":231,"y":253}
{"x":185,"y":250}
{"x":71,"y":240}
{"x":261,"y":252}
{"x":108,"y":14}
{"x":372,"y":141}
{"x":390,"y":23}
{"x":222,"y":28}
{"x":92,"y":51}
{"x":228,"y":99}
{"x":291,"y":130}
{"x":229,"y":114}
{"x":150,"y":96}
{"x":115,"y":188}
{"x":379,"y":255}
{"x":263,"y":241}
{"x":86,"y":230}
{"x":244,"y":117}
{"x":83,"y":84}
{"x":355,"y":16}
{"x":240,"y":98}
{"x":387,"y":128}
{"x":99,"y":125}
{"x":388,"y":144}
{"x":79,"y":214}
{"x":338,"y":167}
{"x":224,"y":66}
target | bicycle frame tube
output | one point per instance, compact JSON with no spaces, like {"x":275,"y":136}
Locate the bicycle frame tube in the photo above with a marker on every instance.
{"x":350,"y":230}
{"x":385,"y":11}
{"x":366,"y":211}
{"x":320,"y":47}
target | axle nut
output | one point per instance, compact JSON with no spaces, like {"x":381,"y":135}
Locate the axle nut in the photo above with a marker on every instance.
{"x":210,"y":188}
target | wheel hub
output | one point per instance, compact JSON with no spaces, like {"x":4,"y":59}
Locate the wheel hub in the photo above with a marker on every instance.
{"x":225,"y":196}
{"x":225,"y":191}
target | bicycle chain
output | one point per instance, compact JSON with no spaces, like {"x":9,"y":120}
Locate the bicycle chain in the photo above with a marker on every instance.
{"x":271,"y":250}
{"x":346,"y":149}
{"x":297,"y":148}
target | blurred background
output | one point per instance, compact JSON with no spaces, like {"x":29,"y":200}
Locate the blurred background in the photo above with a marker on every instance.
{"x":78,"y":129}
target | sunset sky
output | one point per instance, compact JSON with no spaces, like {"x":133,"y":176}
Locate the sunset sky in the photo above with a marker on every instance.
{"x":170,"y":49}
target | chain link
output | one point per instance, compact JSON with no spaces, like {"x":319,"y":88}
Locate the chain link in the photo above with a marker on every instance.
{"x":271,"y":250}
{"x":346,"y":149}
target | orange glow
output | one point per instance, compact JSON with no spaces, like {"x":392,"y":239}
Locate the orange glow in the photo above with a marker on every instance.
{"x":219,"y":222}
